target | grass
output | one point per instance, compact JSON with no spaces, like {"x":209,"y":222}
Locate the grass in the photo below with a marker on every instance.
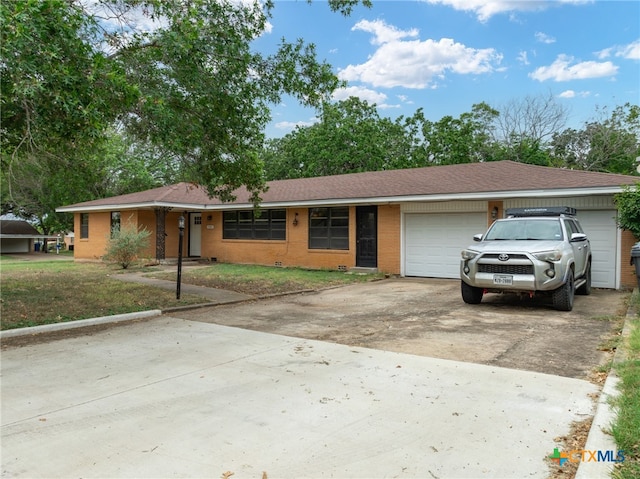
{"x":52,"y":291}
{"x":263,"y":280}
{"x":626,"y":429}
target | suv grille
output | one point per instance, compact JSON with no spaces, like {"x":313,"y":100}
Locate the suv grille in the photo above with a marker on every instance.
{"x":511,"y":256}
{"x":506,"y":268}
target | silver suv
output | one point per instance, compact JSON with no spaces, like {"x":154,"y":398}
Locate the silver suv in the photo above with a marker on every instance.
{"x":531,"y":251}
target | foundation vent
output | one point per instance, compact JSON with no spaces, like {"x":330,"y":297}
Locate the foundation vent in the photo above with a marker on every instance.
{"x":278,"y":264}
{"x":342,"y":267}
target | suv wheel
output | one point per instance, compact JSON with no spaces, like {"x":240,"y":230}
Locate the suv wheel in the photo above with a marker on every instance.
{"x":563,"y":296}
{"x":585,"y":289}
{"x":471,"y":294}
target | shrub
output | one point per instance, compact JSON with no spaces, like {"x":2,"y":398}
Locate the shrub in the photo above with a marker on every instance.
{"x":125,"y":245}
{"x":628,"y":203}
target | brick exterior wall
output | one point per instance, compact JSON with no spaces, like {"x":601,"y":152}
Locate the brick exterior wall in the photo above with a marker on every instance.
{"x":627,"y":271}
{"x":293,"y":251}
{"x":389,"y":239}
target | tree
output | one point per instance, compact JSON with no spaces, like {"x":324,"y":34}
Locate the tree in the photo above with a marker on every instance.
{"x":36,"y":185}
{"x":350,"y":137}
{"x":525,"y":126}
{"x":628,"y":203}
{"x":610,"y":143}
{"x":449,"y":141}
{"x":189,"y":86}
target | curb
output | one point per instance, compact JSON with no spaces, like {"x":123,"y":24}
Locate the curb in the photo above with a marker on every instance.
{"x":82,"y":323}
{"x":599,"y":438}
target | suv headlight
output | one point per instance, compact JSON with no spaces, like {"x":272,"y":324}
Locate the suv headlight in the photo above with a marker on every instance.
{"x":554,"y":255}
{"x":468,"y":254}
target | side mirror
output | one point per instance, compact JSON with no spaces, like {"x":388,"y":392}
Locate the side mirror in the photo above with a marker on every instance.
{"x":576,"y":237}
{"x":477,"y":237}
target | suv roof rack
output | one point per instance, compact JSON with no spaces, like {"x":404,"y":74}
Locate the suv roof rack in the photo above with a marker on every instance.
{"x":543,"y":211}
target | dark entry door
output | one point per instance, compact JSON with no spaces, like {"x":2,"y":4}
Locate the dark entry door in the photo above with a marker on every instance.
{"x":367,"y":236}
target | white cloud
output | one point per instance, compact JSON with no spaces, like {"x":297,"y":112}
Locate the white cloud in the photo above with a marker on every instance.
{"x":573,"y":94}
{"x":544,"y":38}
{"x":370,"y":96}
{"x":567,"y":94}
{"x":563,"y":70}
{"x":291,"y":125}
{"x":485,"y":9}
{"x":415,"y":63}
{"x":523,"y":57}
{"x":382,"y":32}
{"x":630,"y":51}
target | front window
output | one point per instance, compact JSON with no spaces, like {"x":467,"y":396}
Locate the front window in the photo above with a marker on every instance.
{"x":115,"y":223}
{"x":246,"y":224}
{"x":525,"y":230}
{"x":84,"y":225}
{"x":329,"y":228}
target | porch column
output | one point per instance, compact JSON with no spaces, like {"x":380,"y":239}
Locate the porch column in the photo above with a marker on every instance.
{"x":161,"y":215}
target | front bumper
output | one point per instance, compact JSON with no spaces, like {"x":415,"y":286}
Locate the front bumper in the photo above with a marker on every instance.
{"x":526,"y":273}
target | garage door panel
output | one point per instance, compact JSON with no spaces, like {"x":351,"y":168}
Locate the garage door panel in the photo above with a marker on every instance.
{"x":600,"y":227}
{"x":433,"y":242}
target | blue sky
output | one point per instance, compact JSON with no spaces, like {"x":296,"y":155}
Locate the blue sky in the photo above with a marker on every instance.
{"x":444,"y":56}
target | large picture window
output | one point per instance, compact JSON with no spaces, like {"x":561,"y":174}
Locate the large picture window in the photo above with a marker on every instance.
{"x":84,"y":225}
{"x":329,"y":228}
{"x":245,"y":224}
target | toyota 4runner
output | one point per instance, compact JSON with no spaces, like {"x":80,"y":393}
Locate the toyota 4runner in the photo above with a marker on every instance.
{"x":531,"y":251}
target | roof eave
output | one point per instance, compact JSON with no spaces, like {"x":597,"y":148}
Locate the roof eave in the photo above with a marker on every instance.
{"x":128,"y":206}
{"x":477,"y":196}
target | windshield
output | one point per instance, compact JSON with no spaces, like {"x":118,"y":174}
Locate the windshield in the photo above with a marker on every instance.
{"x":545,"y":229}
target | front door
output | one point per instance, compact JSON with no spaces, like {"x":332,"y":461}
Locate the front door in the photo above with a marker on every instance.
{"x":367,"y":236}
{"x":195,"y":234}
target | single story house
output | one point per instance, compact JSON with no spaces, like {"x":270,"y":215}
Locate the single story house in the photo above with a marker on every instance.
{"x":411,"y":222}
{"x":18,"y":236}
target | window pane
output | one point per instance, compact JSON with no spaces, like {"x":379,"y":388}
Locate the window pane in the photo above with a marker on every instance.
{"x":329,"y":228}
{"x":279,"y":215}
{"x":245,"y":225}
{"x":340,"y":243}
{"x":84,"y":225}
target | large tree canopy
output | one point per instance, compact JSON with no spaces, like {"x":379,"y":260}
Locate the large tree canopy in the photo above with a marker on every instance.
{"x":351,"y":136}
{"x":180,"y":77}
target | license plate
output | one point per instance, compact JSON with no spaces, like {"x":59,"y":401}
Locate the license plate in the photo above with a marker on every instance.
{"x":504,"y":279}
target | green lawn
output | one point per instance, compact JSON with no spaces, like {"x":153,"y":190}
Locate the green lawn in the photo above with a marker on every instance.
{"x":263,"y":280}
{"x":50,"y":291}
{"x":626,"y":429}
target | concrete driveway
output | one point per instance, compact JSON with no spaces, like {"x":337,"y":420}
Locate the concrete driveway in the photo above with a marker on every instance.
{"x":427,"y":317}
{"x":184,"y":397}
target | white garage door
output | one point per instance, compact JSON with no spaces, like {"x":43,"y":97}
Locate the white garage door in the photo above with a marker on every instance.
{"x":433,"y":242}
{"x":600,"y":227}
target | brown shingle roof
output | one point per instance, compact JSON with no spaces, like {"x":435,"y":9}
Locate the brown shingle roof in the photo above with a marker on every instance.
{"x":500,"y":176}
{"x":17,"y":228}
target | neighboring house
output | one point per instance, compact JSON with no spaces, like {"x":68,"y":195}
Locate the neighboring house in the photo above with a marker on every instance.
{"x":411,"y":222}
{"x":18,"y":236}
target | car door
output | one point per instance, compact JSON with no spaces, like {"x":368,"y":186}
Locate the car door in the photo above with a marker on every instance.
{"x":580,"y":248}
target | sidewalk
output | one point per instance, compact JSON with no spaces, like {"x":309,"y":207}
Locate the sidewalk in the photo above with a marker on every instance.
{"x":216,"y":296}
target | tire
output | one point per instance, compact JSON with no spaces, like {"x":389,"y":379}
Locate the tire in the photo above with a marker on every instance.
{"x":563,"y":296}
{"x":585,"y":289}
{"x":471,"y":294}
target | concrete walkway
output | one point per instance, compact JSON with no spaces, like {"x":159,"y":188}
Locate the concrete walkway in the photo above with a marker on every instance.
{"x":170,"y":397}
{"x":216,"y":296}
